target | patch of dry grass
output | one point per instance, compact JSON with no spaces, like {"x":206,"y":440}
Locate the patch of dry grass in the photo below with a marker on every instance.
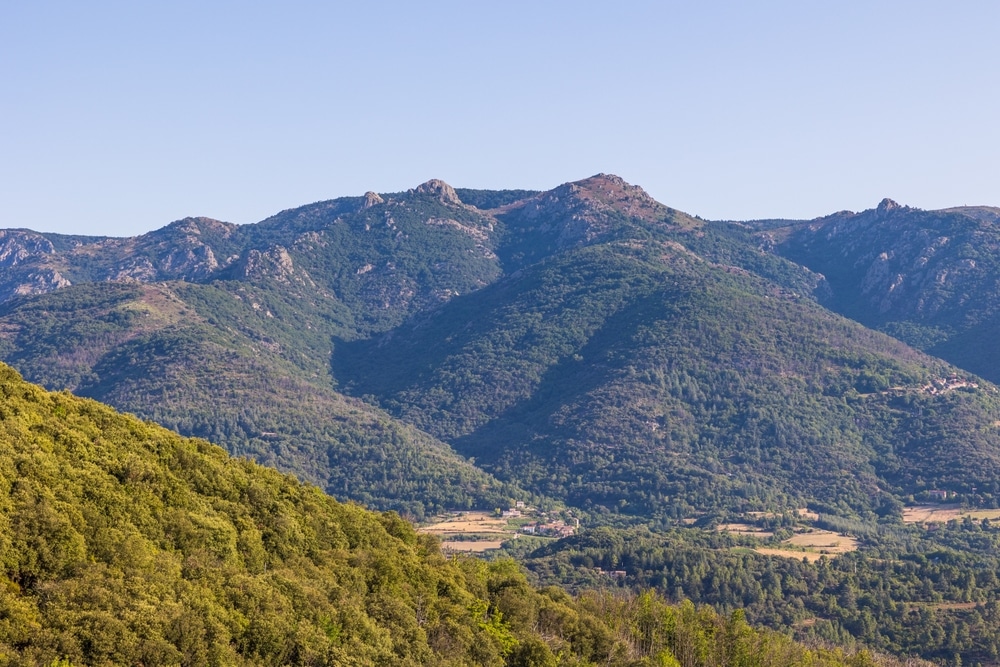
{"x":810,"y":556}
{"x":471,"y":522}
{"x":945,"y":513}
{"x":823,"y":541}
{"x":815,"y":543}
{"x":471,"y":546}
{"x":744,"y":529}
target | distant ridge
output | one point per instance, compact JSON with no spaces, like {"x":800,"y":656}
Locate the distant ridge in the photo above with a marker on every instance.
{"x":453,"y":348}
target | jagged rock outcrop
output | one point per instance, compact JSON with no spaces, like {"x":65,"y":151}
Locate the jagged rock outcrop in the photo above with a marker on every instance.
{"x":272,"y":263}
{"x":20,"y":245}
{"x":441,"y":190}
{"x":35,"y":282}
{"x":888,"y":206}
{"x":371,"y":199}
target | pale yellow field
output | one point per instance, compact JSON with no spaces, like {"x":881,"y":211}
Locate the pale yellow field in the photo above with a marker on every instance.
{"x":931,"y":513}
{"x":824,"y":541}
{"x":472,"y":546}
{"x":817,"y":543}
{"x":811,"y":556}
{"x":945,"y":513}
{"x":744,"y":529}
{"x":473,"y":522}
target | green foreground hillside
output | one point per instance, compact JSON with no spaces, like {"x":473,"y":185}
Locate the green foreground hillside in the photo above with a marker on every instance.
{"x":124,"y":543}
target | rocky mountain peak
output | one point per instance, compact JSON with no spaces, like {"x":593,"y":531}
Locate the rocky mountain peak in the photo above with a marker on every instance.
{"x":439,"y":188}
{"x":608,"y":191}
{"x":611,"y":180}
{"x":887,"y":205}
{"x":20,"y":245}
{"x":195,"y":226}
{"x":371,"y":199}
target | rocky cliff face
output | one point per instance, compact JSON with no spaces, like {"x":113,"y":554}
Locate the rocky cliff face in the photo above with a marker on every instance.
{"x":191,"y":249}
{"x":895,"y":262}
{"x":931,"y":278}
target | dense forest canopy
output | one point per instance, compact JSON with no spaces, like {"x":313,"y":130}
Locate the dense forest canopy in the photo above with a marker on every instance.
{"x":124,"y":543}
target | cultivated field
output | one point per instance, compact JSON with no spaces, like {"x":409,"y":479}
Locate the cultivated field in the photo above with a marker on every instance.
{"x":472,"y":532}
{"x":823,"y":541}
{"x":816,"y":544}
{"x":471,"y":546}
{"x":744,"y":529}
{"x":810,"y":556}
{"x":806,"y":514}
{"x":468,"y":522}
{"x":945,"y":513}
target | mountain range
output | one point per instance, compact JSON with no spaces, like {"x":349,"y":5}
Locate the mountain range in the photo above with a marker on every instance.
{"x":587,"y":346}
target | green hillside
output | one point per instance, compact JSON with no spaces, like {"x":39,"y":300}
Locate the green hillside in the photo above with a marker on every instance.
{"x":637,"y":377}
{"x":124,"y":543}
{"x":587,"y":344}
{"x":208,"y":360}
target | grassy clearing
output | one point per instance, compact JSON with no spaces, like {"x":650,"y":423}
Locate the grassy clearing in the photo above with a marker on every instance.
{"x":475,"y":546}
{"x":823,"y":541}
{"x":465,"y":523}
{"x":944,"y":513}
{"x":744,"y":529}
{"x":813,"y":544}
{"x":810,"y":556}
{"x":931,"y":513}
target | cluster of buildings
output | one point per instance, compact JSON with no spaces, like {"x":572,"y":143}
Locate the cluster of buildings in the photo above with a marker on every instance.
{"x":551,"y":529}
{"x":556,"y":528}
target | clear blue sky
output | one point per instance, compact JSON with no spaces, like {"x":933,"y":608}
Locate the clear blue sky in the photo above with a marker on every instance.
{"x":118,"y":118}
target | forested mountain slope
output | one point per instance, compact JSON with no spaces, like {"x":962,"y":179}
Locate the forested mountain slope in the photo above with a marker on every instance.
{"x":931,"y":278}
{"x":236,"y":347}
{"x":206,"y":360}
{"x":908,"y":591}
{"x":124,"y":543}
{"x":588,"y":343}
{"x":224,"y":331}
{"x":365,"y":262}
{"x":636,"y":376}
